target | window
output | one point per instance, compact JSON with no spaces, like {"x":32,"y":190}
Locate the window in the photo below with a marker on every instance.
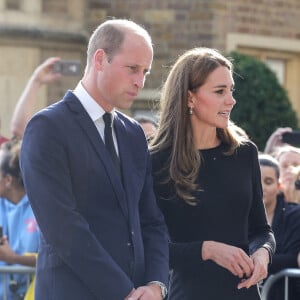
{"x":278,"y":67}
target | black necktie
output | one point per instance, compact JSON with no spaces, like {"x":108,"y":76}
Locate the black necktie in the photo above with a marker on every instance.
{"x":109,"y":142}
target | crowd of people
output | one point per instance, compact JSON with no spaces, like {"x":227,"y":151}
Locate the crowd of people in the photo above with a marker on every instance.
{"x":134,"y":209}
{"x":20,"y":233}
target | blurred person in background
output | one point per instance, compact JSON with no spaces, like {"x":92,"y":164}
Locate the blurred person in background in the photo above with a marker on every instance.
{"x":3,"y":139}
{"x":149,"y":126}
{"x":25,"y":106}
{"x":284,"y":218}
{"x":295,"y":196}
{"x":288,"y":158}
{"x":20,"y":230}
{"x":275,"y":140}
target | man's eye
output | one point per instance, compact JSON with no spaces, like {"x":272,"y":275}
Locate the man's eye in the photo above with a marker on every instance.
{"x":132,"y":68}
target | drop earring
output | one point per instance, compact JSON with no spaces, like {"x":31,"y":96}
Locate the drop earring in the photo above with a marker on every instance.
{"x":191,"y":110}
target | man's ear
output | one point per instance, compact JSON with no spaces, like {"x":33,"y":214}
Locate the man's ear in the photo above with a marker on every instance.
{"x":100,"y":58}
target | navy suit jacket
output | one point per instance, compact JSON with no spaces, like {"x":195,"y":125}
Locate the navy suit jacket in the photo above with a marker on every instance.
{"x":101,"y":235}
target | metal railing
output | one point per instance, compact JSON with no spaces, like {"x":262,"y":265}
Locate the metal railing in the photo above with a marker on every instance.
{"x":286,"y":274}
{"x":5,"y":271}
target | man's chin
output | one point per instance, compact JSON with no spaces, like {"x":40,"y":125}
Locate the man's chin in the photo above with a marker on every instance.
{"x":125,"y":105}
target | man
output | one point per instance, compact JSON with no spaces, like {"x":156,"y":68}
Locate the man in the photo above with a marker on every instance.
{"x":103,"y":236}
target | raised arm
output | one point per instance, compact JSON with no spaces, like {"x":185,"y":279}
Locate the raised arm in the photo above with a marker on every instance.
{"x":24,"y":108}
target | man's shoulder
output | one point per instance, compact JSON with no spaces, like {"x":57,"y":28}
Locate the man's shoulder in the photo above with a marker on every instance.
{"x":129,"y":122}
{"x":58,"y":109}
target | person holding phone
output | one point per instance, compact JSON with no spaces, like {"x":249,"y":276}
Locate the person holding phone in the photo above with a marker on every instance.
{"x":207,"y":182}
{"x":280,"y":137}
{"x":87,"y":172}
{"x":25,"y":107}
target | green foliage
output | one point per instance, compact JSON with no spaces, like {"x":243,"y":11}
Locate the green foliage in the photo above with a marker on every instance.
{"x":262,"y":103}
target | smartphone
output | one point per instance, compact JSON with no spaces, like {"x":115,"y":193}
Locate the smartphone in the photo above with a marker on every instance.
{"x":292,"y":138}
{"x":67,"y":67}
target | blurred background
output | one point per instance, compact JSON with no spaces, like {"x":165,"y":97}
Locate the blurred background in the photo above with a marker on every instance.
{"x":33,"y":30}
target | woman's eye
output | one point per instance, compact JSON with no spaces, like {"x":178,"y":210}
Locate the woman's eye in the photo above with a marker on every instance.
{"x":220,"y":92}
{"x":269,"y":181}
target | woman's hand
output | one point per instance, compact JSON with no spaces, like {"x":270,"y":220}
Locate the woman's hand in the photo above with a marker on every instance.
{"x":275,"y":139}
{"x":260,"y":260}
{"x":232,"y":258}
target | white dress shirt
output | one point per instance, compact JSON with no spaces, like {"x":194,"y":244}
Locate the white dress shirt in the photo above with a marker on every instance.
{"x":95,"y":111}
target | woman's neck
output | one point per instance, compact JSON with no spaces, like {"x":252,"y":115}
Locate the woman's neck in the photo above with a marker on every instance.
{"x":205,"y":138}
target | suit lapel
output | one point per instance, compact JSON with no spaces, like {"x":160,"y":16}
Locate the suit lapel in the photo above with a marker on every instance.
{"x":87,"y":125}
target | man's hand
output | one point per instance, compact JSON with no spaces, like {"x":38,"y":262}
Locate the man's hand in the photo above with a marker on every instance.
{"x":149,"y":292}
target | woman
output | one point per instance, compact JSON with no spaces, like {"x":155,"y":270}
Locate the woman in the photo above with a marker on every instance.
{"x":20,"y":230}
{"x":288,"y":158}
{"x":207,"y":182}
{"x":284,"y":218}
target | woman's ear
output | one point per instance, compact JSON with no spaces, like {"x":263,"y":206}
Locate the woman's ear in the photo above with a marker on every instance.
{"x":190,"y":100}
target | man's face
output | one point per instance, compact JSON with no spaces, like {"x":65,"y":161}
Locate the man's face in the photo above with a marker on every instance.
{"x":124,"y":75}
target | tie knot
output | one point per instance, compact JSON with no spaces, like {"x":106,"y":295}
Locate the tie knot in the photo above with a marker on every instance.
{"x":107,"y":118}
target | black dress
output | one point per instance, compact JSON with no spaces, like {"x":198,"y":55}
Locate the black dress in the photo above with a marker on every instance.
{"x":230,"y":210}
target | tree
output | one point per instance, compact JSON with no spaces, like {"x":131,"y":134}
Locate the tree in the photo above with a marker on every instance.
{"x":262,"y":103}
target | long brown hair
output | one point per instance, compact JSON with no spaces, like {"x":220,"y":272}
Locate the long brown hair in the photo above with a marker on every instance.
{"x":189,"y":72}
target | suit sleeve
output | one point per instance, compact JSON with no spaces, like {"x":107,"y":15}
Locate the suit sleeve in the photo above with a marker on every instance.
{"x":154,"y":232}
{"x":47,"y":175}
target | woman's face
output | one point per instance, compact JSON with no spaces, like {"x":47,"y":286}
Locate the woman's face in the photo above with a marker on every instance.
{"x":213,"y":101}
{"x":270,"y":185}
{"x":287,"y":161}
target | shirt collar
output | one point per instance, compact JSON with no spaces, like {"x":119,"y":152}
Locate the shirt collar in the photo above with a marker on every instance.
{"x":94,"y":110}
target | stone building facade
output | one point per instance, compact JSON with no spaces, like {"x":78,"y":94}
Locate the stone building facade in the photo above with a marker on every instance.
{"x":32,"y":30}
